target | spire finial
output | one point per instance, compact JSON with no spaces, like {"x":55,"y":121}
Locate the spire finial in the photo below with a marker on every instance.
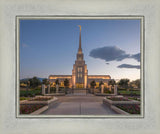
{"x":79,"y":49}
{"x":79,"y":27}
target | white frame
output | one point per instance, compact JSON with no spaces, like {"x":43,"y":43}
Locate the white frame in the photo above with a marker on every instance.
{"x":9,"y":124}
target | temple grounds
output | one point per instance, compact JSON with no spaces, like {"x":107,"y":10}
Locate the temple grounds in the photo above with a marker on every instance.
{"x":79,"y":105}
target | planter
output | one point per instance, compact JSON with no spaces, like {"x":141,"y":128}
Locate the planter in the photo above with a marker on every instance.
{"x":39,"y":111}
{"x":112,"y":104}
{"x":131,"y":109}
{"x":46,"y":104}
{"x":118,"y":110}
{"x":38,"y":102}
{"x":56,"y":94}
{"x":103,"y":94}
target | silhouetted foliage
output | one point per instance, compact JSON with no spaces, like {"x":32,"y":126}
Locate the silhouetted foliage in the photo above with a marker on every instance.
{"x":57,"y":82}
{"x":112,"y":82}
{"x":66,"y":83}
{"x":93,"y":84}
{"x":45,"y":81}
{"x":34,"y":82}
{"x":123,"y":83}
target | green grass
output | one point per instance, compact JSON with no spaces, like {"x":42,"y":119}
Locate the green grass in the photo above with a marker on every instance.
{"x":24,"y":98}
{"x":133,"y":98}
{"x":129,"y":92}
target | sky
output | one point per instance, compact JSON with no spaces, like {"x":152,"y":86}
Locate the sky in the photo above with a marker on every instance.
{"x":110,"y":47}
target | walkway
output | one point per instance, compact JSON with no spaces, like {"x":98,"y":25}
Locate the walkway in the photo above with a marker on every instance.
{"x":79,"y":105}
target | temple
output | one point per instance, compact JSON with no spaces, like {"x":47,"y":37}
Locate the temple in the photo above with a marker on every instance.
{"x":80,"y":77}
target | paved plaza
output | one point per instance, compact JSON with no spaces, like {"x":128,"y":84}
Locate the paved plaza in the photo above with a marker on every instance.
{"x":79,"y":105}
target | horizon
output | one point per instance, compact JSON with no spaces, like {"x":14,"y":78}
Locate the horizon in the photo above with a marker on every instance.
{"x":110,"y":47}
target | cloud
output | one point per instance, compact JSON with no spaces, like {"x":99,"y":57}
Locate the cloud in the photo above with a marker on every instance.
{"x":107,"y":63}
{"x":136,"y":57}
{"x":112,"y":53}
{"x":129,"y":66}
{"x":109,"y":53}
{"x":25,"y":45}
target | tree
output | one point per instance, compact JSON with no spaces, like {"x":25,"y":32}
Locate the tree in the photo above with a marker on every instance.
{"x":23,"y":82}
{"x":57,"y":82}
{"x":101,"y":83}
{"x":93,"y":84}
{"x":123,"y":83}
{"x":112,"y":82}
{"x":45,"y":81}
{"x":138,"y":83}
{"x":66,"y":83}
{"x":34,"y":82}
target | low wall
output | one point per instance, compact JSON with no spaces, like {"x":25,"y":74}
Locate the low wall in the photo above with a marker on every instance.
{"x":103,"y":94}
{"x":111,"y":104}
{"x":55,"y":94}
{"x":47,"y":104}
{"x":118,"y":110}
{"x":38,"y":102}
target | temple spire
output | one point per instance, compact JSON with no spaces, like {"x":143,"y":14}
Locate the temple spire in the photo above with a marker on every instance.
{"x":79,"y":49}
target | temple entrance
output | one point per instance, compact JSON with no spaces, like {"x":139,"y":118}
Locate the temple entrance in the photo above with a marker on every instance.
{"x":79,"y":85}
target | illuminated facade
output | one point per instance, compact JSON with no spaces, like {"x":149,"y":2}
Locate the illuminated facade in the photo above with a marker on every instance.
{"x":80,"y":77}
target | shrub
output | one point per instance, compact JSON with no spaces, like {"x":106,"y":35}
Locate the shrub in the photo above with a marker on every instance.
{"x":27,"y":109}
{"x":30,"y":93}
{"x":132,"y":109}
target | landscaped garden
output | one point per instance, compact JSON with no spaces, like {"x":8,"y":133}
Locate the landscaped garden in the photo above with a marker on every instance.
{"x":123,"y":105}
{"x":134,"y":98}
{"x":41,"y":98}
{"x":30,"y":93}
{"x":24,"y":98}
{"x":27,"y":109}
{"x":131,"y":92}
{"x":132,"y":109}
{"x":113,"y":98}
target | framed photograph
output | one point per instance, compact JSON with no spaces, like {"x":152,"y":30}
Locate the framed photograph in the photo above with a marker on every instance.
{"x":79,"y":67}
{"x":79,"y":93}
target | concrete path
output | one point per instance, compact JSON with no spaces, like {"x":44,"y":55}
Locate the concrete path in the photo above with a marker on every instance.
{"x":79,"y":105}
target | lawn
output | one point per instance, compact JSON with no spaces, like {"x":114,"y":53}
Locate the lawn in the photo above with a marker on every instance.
{"x":24,"y":98}
{"x":30,"y":93}
{"x":124,"y":92}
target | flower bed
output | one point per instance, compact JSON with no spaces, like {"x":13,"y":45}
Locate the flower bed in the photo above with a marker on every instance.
{"x":134,"y":98}
{"x":113,"y":98}
{"x":132,"y":109}
{"x":27,"y":109}
{"x":41,"y":98}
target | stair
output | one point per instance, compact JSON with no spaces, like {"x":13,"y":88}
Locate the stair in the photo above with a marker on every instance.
{"x":80,"y":91}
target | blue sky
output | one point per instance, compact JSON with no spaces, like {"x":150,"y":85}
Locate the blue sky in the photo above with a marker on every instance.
{"x":109,"y":46}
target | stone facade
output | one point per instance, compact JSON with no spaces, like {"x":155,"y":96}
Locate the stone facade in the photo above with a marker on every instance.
{"x":80,"y":77}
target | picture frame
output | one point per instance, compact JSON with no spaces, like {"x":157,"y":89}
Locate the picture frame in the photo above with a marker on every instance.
{"x":10,"y":124}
